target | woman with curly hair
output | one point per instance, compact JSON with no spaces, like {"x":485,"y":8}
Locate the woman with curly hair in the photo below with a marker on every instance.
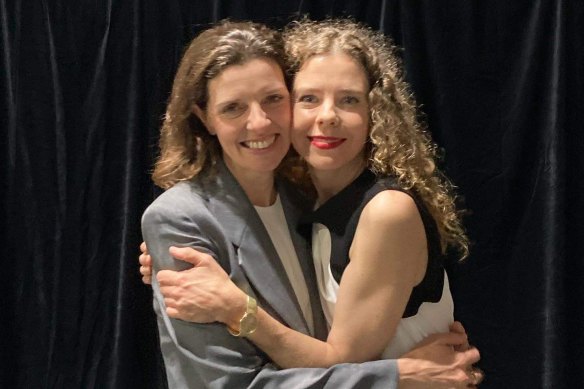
{"x":384,"y":214}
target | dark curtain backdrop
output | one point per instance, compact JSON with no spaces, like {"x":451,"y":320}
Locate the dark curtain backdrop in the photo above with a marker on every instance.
{"x":83,"y":86}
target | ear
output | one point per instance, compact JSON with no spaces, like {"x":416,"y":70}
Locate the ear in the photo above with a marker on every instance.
{"x":202,"y":115}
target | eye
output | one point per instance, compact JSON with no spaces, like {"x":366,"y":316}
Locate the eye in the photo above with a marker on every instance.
{"x":307,"y":99}
{"x":229,"y":107}
{"x":350,"y":100}
{"x":232,"y":109}
{"x":274,"y":99}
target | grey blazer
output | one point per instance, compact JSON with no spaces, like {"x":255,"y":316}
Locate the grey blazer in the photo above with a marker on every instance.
{"x":213,"y":214}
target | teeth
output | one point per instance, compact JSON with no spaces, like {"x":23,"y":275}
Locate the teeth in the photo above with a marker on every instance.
{"x":260,"y":144}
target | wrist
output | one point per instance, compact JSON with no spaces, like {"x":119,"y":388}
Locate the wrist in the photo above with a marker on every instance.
{"x":406,"y":368}
{"x":233,"y":306}
{"x":248,"y":321}
{"x":236,"y":311}
{"x":236,"y":307}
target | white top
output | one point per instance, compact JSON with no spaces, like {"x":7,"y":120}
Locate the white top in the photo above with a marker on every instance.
{"x":431,"y":317}
{"x":275,"y":222}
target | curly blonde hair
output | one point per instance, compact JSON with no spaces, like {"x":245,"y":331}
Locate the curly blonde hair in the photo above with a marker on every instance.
{"x":398,"y":145}
{"x":186,"y":147}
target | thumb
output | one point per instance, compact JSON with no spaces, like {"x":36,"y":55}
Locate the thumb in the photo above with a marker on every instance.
{"x":451,"y":338}
{"x":188,"y":254}
{"x":457,"y":327}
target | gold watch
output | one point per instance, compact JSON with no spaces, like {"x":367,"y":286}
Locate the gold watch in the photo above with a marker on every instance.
{"x":249,"y":321}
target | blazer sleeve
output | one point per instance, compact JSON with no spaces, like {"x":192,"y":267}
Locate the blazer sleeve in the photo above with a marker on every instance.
{"x":206,"y":355}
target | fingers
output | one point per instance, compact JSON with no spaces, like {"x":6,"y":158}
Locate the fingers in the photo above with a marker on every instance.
{"x":189,"y":255}
{"x":170,"y":302}
{"x":168,"y":278}
{"x":469,"y":377}
{"x":469,"y":356}
{"x":449,"y":339}
{"x":145,"y":260}
{"x":475,"y":377}
{"x":146,"y":269}
{"x":143,"y":248}
{"x":173,"y":313}
{"x":173,"y":299}
{"x":457,"y":327}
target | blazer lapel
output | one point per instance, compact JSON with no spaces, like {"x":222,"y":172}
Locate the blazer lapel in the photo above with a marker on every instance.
{"x":256,"y":253}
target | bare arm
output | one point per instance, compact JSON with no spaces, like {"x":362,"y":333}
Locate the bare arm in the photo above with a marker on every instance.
{"x":199,"y":294}
{"x":388,"y":258}
{"x":205,"y":355}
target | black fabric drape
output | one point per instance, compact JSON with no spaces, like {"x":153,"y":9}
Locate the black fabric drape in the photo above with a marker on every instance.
{"x":82,"y":90}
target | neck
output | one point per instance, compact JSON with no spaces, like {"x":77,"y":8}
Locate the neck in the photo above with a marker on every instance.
{"x":260,"y":192}
{"x":258,"y":186}
{"x":330,"y":182}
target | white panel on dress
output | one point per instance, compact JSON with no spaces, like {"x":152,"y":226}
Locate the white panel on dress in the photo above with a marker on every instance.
{"x":327,"y":285}
{"x":430,"y":319}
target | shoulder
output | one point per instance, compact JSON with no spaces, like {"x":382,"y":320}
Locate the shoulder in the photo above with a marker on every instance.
{"x":184,"y":198}
{"x":391,"y":224}
{"x":391,"y":208}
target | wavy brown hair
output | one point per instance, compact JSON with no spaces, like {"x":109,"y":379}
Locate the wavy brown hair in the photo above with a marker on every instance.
{"x":398,"y":144}
{"x":186,"y":147}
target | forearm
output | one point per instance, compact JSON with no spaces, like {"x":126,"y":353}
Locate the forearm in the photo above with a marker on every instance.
{"x":205,"y":355}
{"x":289,"y":348}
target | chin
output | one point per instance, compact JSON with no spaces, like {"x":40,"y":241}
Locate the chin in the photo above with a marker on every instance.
{"x":323,"y":163}
{"x":266,"y":166}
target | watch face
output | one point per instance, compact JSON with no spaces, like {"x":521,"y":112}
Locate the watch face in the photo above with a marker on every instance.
{"x":248,"y":324}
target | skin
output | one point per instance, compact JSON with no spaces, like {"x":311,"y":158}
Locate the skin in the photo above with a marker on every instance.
{"x":331,"y":127}
{"x":249,"y":112}
{"x":388,"y":255}
{"x":440,"y":361}
{"x":331,"y":121}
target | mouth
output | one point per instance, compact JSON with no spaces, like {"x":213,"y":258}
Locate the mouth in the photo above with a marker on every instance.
{"x":259,"y":144}
{"x":326,"y":142}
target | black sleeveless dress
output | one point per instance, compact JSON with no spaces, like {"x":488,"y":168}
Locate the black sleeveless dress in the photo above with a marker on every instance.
{"x":340,"y":216}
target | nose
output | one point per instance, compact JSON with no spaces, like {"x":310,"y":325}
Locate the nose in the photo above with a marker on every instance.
{"x":327,"y":115}
{"x":257,"y":119}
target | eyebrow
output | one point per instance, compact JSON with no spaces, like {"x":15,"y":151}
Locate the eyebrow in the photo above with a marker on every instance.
{"x":270,"y":91}
{"x":267,"y":91}
{"x":342,"y":91}
{"x":352,"y":91}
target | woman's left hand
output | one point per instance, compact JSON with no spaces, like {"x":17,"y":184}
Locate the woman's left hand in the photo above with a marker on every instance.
{"x":145,"y":264}
{"x":202,"y":294}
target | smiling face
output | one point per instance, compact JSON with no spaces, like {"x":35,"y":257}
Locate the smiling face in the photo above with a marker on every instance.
{"x":331,"y":114}
{"x":249,"y":111}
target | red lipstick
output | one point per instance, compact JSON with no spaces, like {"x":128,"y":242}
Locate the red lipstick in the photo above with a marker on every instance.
{"x":325,"y":142}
